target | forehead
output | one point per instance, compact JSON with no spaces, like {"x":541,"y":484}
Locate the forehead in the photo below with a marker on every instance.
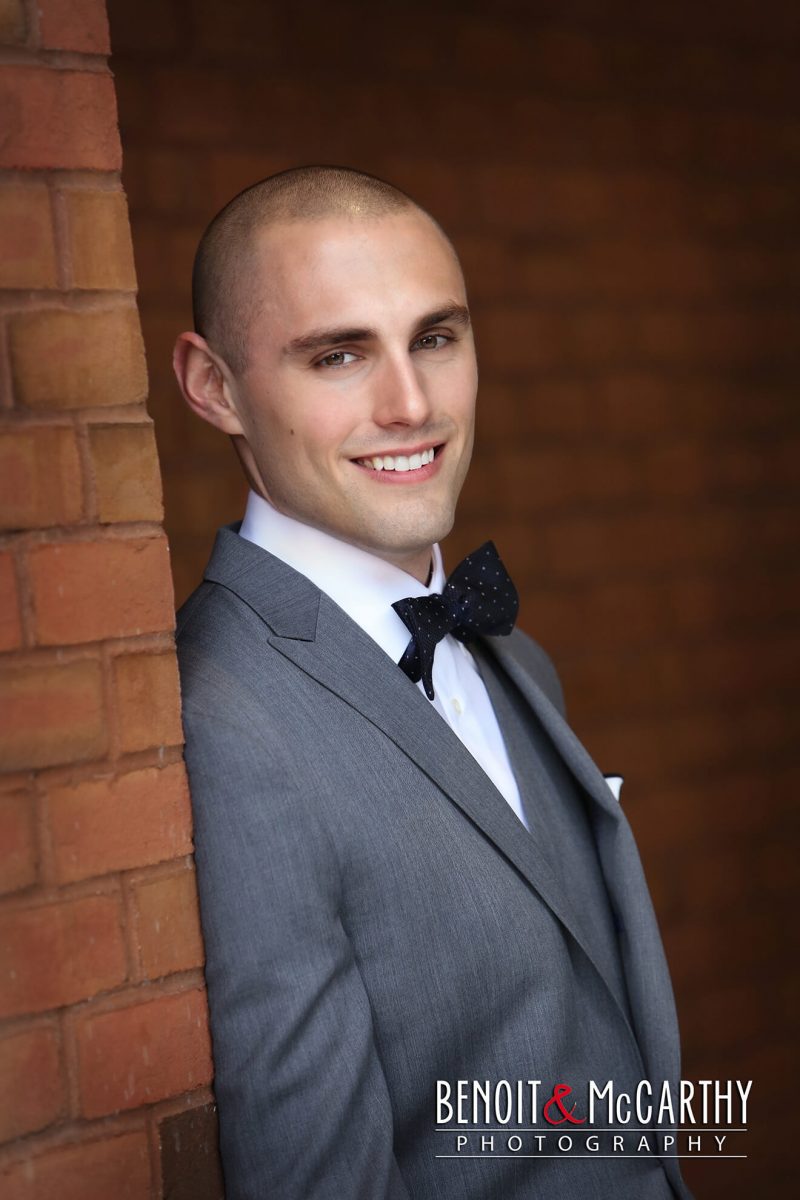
{"x":352,"y":268}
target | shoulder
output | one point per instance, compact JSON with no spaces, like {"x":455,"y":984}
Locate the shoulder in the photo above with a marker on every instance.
{"x":237,"y":704}
{"x":216,"y":634}
{"x":534,"y":659}
{"x":211,"y":607}
{"x":210,"y":625}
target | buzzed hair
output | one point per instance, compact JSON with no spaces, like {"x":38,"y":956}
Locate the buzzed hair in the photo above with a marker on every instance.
{"x":223,"y":298}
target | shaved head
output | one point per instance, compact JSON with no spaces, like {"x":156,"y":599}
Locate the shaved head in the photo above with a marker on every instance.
{"x":224,"y":298}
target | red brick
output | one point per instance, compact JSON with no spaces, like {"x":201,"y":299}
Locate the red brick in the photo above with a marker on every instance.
{"x":10,"y":621}
{"x":534,"y":201}
{"x":668,"y":746}
{"x":168,"y":924}
{"x":174,"y":94}
{"x":126,"y":473}
{"x":117,"y":1168}
{"x":51,"y":714}
{"x":63,"y":359}
{"x":623,"y":268}
{"x":164,"y":258}
{"x":80,"y":25}
{"x":18,"y":839}
{"x":723,"y":807}
{"x":250,"y":23}
{"x":226,"y":489}
{"x":27,"y":245}
{"x":630,"y":406}
{"x":56,"y":954}
{"x":41,"y":477}
{"x":711,"y":946}
{"x":99,"y":239}
{"x":775,"y":865}
{"x":87,"y":591}
{"x":721,"y":1014}
{"x":58,"y":119}
{"x":142,"y":1054}
{"x":656,"y":539}
{"x":169,"y":180}
{"x":160,"y":330}
{"x":104,"y":825}
{"x":669,"y":677}
{"x":717,"y":338}
{"x":524,"y":339}
{"x":12,"y":22}
{"x":191,"y":562}
{"x":570,"y":478}
{"x":148,"y":701}
{"x":229,"y":169}
{"x":435,"y":183}
{"x":151,"y":27}
{"x":718,"y":880}
{"x":491,"y":267}
{"x":32,"y":1086}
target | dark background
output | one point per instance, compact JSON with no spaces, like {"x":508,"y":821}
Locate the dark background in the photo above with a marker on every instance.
{"x":622,"y":183}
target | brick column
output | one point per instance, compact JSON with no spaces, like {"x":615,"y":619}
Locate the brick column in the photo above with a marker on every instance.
{"x":104,"y":1050}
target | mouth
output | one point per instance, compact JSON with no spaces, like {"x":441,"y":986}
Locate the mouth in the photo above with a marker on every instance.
{"x":414,"y":463}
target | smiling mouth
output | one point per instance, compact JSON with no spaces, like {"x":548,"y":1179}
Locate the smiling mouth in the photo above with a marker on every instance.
{"x":400,"y":462}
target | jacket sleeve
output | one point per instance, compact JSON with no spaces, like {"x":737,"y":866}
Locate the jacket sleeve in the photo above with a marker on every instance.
{"x":304,"y":1108}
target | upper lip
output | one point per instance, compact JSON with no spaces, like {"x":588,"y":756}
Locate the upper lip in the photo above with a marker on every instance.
{"x":399,"y":453}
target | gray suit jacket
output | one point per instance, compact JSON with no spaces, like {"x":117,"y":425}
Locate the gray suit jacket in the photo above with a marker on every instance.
{"x":376,"y":918}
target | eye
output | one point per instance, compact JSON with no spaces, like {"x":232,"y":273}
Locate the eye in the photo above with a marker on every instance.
{"x":432,"y":341}
{"x":337,"y":358}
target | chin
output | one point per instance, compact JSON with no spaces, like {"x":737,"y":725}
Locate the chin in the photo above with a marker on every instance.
{"x":400,"y":529}
{"x":412,"y":539}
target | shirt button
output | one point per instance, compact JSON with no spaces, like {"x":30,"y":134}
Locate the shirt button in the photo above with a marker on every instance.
{"x":457,"y":705}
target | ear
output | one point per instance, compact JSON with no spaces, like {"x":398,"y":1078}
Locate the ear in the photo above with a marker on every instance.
{"x":206,"y":383}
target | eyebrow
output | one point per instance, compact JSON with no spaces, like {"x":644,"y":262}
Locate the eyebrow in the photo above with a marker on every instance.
{"x":318,"y":339}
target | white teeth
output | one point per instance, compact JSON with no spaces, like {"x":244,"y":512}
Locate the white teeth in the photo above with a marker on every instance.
{"x":399,"y":462}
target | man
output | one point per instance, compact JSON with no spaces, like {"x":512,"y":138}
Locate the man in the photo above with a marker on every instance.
{"x":410,"y":875}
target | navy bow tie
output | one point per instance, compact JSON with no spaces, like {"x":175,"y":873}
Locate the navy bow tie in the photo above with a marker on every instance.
{"x":478,"y":598}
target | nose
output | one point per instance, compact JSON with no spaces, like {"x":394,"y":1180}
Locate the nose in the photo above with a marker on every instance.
{"x":401,"y":397}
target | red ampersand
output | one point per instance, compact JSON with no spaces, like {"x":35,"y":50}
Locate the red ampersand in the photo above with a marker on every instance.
{"x":559,"y":1092}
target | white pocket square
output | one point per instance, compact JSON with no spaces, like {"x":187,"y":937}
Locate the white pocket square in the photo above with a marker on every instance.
{"x":615,"y":784}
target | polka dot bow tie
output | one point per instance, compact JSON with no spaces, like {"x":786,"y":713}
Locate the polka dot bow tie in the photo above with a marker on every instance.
{"x":478,"y":598}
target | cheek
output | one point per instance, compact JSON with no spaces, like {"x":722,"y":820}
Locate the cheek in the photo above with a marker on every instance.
{"x":465,"y":380}
{"x":305,"y":447}
{"x":464,"y":395}
{"x":323,"y":432}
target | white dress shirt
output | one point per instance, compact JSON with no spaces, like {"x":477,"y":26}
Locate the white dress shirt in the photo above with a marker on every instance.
{"x":365,"y":587}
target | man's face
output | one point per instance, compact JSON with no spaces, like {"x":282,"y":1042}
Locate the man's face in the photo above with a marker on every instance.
{"x":361,"y":352}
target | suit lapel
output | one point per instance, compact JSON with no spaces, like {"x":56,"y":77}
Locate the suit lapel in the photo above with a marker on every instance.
{"x":571,"y":750}
{"x":548,"y":793}
{"x":646,"y":970}
{"x":351,"y":665}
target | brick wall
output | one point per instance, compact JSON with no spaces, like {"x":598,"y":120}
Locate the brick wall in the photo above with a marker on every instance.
{"x":622,"y":182}
{"x":104,"y":1050}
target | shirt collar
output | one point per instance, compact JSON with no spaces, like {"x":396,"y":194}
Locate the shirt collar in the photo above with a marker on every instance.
{"x":362,"y":584}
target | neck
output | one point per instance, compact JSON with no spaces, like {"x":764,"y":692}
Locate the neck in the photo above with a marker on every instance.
{"x":419,"y":564}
